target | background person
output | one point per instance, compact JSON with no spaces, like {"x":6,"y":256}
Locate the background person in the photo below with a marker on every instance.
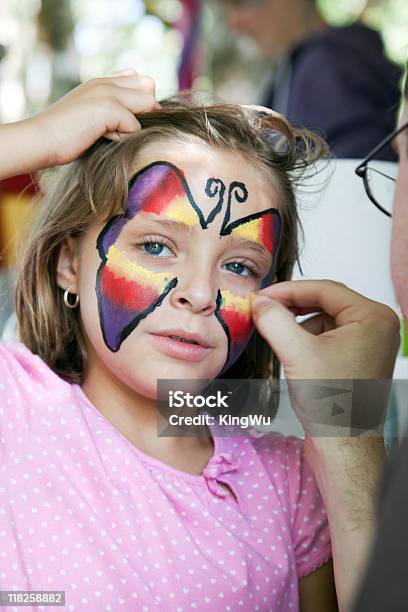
{"x":336,"y":80}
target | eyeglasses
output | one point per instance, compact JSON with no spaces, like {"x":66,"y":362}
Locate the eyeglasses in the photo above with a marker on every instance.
{"x":379,"y":185}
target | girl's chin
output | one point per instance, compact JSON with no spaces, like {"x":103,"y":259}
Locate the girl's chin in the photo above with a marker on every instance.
{"x":192,"y":379}
{"x":159,"y":388}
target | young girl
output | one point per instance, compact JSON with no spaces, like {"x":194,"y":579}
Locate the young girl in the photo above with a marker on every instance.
{"x":140,"y":268}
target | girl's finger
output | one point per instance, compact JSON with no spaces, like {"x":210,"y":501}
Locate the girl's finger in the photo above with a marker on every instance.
{"x":112,"y":136}
{"x":123,"y":72}
{"x":122,"y":122}
{"x":134,"y":101}
{"x":148,"y":84}
{"x":142,"y":83}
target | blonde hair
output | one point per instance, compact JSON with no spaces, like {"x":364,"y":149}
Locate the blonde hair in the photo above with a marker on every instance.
{"x":95,"y":187}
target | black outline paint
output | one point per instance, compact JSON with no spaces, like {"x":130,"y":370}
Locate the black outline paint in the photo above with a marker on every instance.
{"x":136,"y":320}
{"x":239,"y":198}
{"x":223,"y":325}
{"x":130,"y":326}
{"x":220,"y":188}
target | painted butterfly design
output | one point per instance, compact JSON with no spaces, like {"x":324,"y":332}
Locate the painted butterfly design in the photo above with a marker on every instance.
{"x":127,"y":292}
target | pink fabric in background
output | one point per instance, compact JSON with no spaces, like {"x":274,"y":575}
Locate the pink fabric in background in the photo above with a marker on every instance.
{"x":82,"y":510}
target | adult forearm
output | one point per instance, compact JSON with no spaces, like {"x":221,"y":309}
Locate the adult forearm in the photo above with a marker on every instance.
{"x":347,"y":471}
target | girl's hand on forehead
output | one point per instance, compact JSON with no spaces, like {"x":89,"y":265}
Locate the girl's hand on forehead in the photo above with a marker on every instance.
{"x":104,"y":106}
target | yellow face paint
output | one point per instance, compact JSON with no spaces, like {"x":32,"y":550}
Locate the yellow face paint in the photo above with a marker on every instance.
{"x":129,"y":291}
{"x":180,"y":209}
{"x":236,"y":313}
{"x":122,"y":267}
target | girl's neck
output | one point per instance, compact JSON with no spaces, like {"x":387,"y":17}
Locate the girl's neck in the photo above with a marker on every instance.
{"x":135,"y":417}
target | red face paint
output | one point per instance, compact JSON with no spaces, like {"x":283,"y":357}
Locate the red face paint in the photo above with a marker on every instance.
{"x":234,"y":314}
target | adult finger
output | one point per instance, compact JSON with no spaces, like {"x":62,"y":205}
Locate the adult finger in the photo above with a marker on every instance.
{"x":318,"y":324}
{"x":340,"y":302}
{"x":112,"y":136}
{"x":278,"y":326}
{"x":148,"y":84}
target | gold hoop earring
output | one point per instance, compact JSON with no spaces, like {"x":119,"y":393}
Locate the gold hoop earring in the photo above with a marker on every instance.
{"x":66,"y":299}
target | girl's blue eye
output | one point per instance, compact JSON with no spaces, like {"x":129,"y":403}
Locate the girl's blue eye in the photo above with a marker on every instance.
{"x":154,"y":248}
{"x":238,"y":268}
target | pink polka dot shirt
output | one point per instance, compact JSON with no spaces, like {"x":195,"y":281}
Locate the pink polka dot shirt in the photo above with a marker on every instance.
{"x":84,"y":511}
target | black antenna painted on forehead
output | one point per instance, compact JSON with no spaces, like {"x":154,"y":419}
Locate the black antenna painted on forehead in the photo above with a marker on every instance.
{"x":213,"y":187}
{"x":241,"y":195}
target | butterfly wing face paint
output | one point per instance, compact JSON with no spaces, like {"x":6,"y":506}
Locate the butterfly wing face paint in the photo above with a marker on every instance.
{"x":127,"y":292}
{"x":234,"y":314}
{"x":263,"y":228}
{"x":234,"y":311}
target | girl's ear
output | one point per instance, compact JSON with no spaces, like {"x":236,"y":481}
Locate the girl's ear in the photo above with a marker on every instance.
{"x":67,"y":267}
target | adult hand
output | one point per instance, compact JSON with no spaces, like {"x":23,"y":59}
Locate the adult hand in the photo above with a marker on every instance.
{"x":350,"y":337}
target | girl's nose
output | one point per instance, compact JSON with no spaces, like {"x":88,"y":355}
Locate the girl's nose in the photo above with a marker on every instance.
{"x":196,"y":295}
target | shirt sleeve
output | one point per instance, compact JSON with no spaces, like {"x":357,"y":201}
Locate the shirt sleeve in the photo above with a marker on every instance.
{"x":294,"y":483}
{"x":26,"y":384}
{"x":10,"y":404}
{"x":310,"y":527}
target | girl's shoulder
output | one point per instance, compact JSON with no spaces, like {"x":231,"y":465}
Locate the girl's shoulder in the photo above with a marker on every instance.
{"x":22,"y":371}
{"x":278,"y":451}
{"x":29,"y":389}
{"x":279,"y":456}
{"x":283,"y":458}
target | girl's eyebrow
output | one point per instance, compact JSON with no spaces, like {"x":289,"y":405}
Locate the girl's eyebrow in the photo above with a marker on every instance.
{"x":233,"y":241}
{"x":243,"y":243}
{"x":168,"y":223}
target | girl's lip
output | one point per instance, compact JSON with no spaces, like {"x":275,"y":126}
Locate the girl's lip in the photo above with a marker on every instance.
{"x":180,"y":350}
{"x":184,"y":334}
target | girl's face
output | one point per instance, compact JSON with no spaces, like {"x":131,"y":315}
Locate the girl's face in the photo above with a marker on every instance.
{"x":200,"y":232}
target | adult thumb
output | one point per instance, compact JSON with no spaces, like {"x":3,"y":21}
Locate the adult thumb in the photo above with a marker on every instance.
{"x":277,"y":324}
